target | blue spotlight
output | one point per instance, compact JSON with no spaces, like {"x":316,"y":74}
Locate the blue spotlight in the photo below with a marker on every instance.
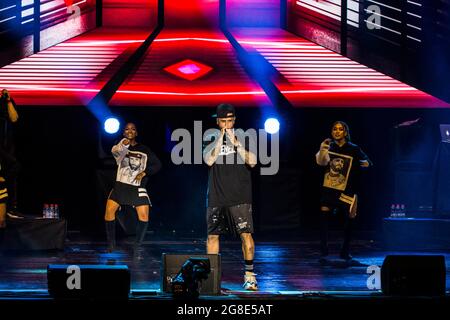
{"x":111,"y":125}
{"x":272,"y":125}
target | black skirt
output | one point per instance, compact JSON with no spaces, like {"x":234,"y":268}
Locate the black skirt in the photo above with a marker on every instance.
{"x":129,"y":195}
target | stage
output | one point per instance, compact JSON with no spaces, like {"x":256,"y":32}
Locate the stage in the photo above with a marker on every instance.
{"x":286,"y":268}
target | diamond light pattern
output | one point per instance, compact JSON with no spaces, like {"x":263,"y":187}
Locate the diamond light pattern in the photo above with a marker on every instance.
{"x":188,"y":69}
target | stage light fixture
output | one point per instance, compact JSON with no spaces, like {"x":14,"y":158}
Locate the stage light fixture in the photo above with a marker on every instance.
{"x":272,"y":125}
{"x":111,"y":125}
{"x":185,"y":284}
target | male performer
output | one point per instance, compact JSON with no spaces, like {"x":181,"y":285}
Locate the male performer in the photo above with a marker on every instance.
{"x":130,"y":189}
{"x":229,"y":204}
{"x":8,"y":116}
{"x":342,"y":161}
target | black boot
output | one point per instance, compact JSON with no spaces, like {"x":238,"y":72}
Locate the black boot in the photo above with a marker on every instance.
{"x":2,"y":240}
{"x":348,"y":231}
{"x":111,"y":234}
{"x":141,"y":229}
{"x":12,"y":173}
{"x":324,"y":216}
{"x":12,"y":197}
{"x":2,"y":235}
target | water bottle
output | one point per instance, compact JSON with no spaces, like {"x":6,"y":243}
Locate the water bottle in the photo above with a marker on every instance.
{"x":52,"y":211}
{"x":56,"y":211}
{"x":402,"y":211}
{"x":393,"y":214}
{"x":45,"y":211}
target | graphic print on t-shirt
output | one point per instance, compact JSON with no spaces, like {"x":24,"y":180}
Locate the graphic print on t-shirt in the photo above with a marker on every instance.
{"x":227,"y":153}
{"x":132,"y":164}
{"x":226,"y":149}
{"x":338,"y":171}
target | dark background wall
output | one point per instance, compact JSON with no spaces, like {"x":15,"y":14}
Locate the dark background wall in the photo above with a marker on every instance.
{"x":58,"y":151}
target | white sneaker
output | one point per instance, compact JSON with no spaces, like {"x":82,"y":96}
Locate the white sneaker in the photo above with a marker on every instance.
{"x":250,"y":282}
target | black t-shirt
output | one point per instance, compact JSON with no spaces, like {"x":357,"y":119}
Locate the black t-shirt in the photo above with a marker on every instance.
{"x":229,"y":181}
{"x":132,"y":160}
{"x":342,"y":173}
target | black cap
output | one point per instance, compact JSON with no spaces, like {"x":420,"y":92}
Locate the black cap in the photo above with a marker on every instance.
{"x":224,"y":110}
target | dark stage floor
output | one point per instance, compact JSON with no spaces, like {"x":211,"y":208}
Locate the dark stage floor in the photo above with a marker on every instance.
{"x":286,"y":269}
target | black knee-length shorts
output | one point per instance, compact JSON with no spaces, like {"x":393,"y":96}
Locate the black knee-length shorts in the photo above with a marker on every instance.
{"x":233,"y":219}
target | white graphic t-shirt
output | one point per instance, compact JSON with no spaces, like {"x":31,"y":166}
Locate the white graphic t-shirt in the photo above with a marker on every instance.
{"x":130,"y":162}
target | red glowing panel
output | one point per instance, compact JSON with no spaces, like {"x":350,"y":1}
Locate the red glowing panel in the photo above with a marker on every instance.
{"x":188,"y":69}
{"x":72,"y":72}
{"x":313,"y":76}
{"x":151,"y":85}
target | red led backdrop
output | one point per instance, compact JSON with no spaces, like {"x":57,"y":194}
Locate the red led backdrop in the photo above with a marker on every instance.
{"x":318,"y":77}
{"x":152,"y":85}
{"x":126,"y":13}
{"x":73,"y":72}
{"x":191,"y":14}
{"x":253,"y":13}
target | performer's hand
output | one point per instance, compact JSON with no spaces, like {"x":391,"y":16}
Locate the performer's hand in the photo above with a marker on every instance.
{"x":140,"y":176}
{"x":364,"y":163}
{"x":125,"y":141}
{"x":218,"y":139}
{"x":353,"y":209}
{"x":325,"y":145}
{"x":5,"y":94}
{"x":232,"y":137}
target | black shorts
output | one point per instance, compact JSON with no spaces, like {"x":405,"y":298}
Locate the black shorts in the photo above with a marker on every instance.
{"x":127,"y":195}
{"x":3,"y":192}
{"x":226,"y":220}
{"x":335,"y":199}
